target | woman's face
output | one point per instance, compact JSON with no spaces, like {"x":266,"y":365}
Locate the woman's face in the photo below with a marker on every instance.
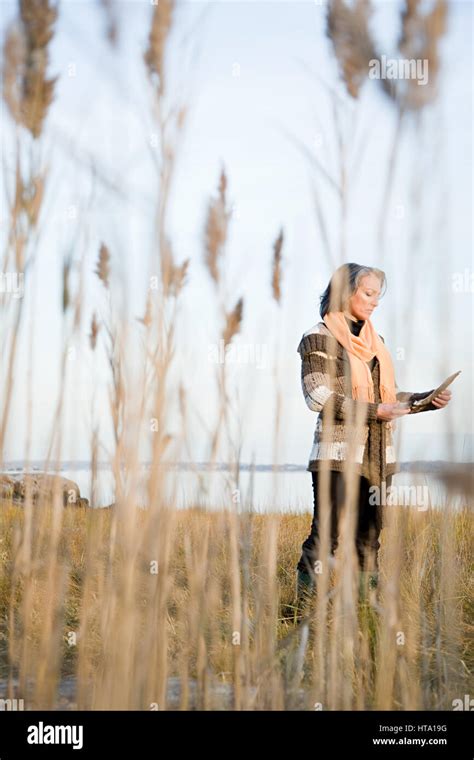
{"x":366,"y":298}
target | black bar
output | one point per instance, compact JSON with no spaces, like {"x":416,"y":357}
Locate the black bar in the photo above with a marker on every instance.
{"x":317,"y":734}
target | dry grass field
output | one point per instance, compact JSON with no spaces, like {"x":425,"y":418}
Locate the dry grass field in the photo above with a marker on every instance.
{"x":84,"y":595}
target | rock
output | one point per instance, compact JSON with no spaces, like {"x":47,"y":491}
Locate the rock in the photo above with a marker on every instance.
{"x":42,"y":487}
{"x":7,"y":485}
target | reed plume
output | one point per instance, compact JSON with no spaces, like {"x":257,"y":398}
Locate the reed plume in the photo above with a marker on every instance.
{"x":420,"y":37}
{"x":160,"y":29}
{"x":218,"y":216}
{"x":103,"y":265}
{"x":348,"y":29}
{"x":94,"y":332}
{"x":233,"y":321}
{"x":28,"y":92}
{"x":276,"y":270}
{"x":110,"y":11}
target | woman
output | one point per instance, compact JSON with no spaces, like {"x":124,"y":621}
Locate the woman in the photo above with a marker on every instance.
{"x":348,"y":378}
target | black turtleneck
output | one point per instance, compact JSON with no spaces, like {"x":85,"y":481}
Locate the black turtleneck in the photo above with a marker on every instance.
{"x":355,"y":326}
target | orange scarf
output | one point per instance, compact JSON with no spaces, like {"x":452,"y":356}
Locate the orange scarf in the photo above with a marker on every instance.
{"x":361,"y":349}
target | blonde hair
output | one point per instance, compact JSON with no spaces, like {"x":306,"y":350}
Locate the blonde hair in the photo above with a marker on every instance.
{"x":344,"y":283}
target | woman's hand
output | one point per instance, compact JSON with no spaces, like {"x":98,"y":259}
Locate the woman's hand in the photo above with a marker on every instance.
{"x":443,"y":399}
{"x":388,"y":412}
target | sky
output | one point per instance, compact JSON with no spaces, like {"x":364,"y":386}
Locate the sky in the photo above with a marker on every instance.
{"x":257,"y":78}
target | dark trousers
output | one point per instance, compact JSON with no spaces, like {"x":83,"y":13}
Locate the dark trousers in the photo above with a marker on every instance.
{"x":368,"y":523}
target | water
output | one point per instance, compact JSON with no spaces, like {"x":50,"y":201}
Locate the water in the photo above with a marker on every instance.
{"x":284,"y":491}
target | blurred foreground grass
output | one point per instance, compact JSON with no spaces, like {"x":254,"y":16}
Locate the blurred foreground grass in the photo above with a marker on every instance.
{"x":214,"y":627}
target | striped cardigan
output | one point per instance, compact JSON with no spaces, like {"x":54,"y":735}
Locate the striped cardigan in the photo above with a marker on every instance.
{"x":326,"y":384}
